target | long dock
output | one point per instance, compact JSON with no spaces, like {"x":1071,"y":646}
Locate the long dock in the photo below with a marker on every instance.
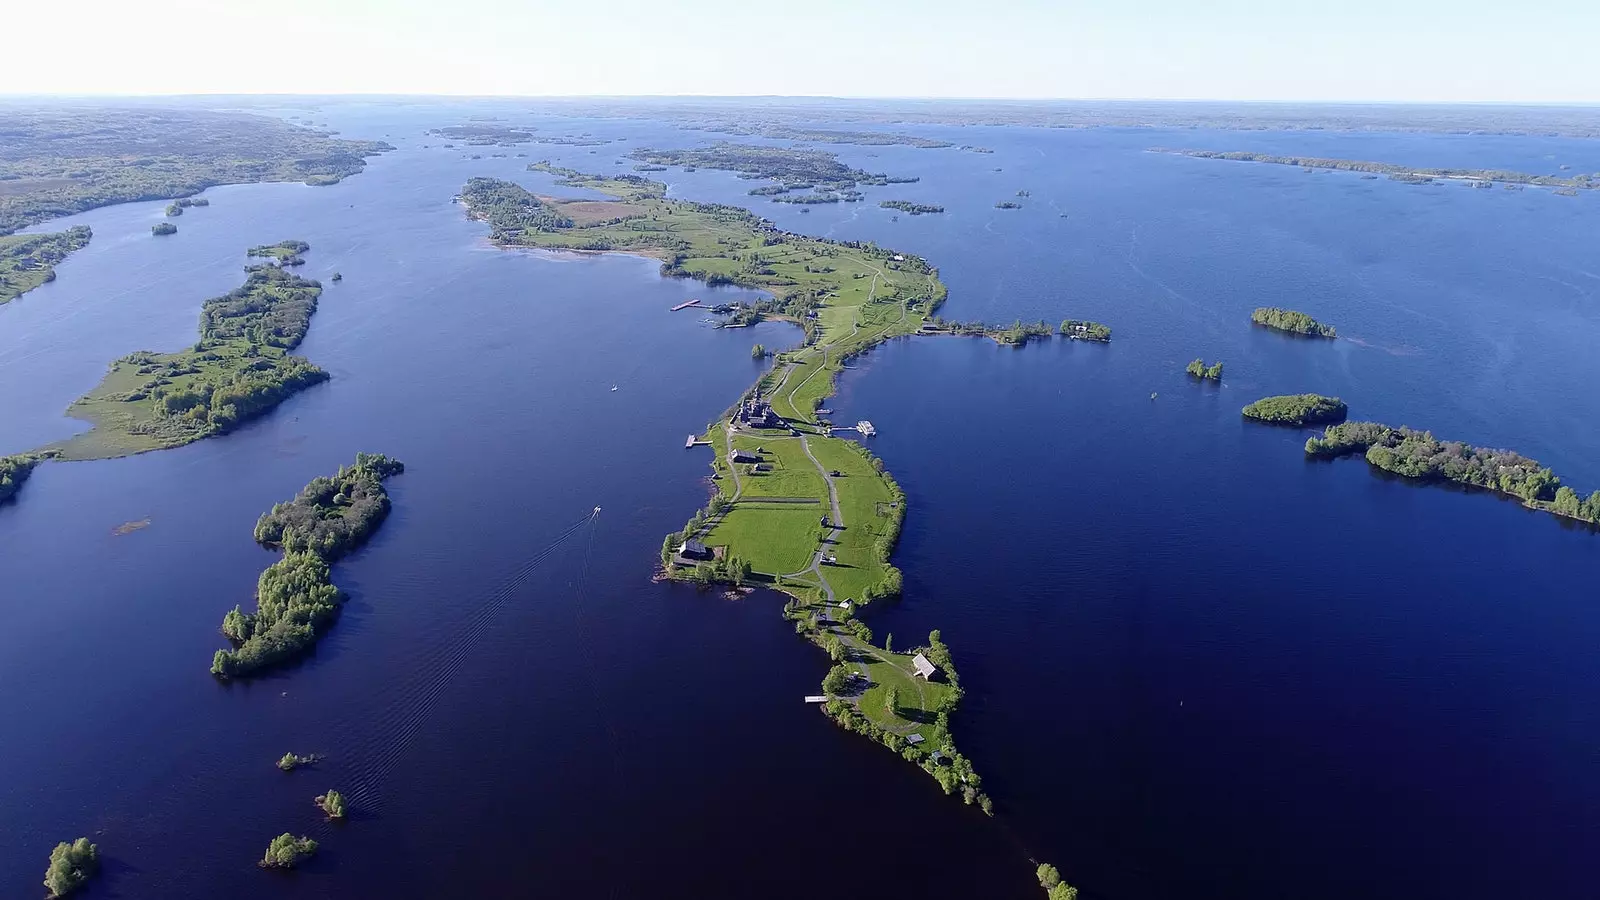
{"x":816,"y":698}
{"x":687,"y":304}
{"x":694,"y":441}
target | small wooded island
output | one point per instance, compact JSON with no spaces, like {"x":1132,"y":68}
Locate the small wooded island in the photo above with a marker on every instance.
{"x":239,"y":369}
{"x":915,"y":209}
{"x":14,"y":470}
{"x":162,"y":229}
{"x":1291,"y":321}
{"x":71,"y":867}
{"x":1297,"y":409}
{"x":287,"y":851}
{"x":1198,"y":369}
{"x":1085,"y":330}
{"x":29,"y":260}
{"x":296,"y":601}
{"x":1419,"y":455}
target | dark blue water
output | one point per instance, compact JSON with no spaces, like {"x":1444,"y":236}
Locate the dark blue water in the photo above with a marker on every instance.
{"x":1196,"y":664}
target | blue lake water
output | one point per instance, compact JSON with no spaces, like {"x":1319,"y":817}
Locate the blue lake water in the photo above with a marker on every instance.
{"x":1196,"y":663}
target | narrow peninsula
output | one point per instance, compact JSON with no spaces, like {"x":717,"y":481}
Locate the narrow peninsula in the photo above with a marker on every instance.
{"x":295,"y":600}
{"x":240,"y":368}
{"x":796,"y":506}
{"x":29,"y":260}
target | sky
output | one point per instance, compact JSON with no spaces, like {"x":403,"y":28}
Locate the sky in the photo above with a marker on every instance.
{"x":1356,"y":50}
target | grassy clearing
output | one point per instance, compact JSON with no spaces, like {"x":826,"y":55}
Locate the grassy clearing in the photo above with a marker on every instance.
{"x":916,"y":703}
{"x":777,"y":538}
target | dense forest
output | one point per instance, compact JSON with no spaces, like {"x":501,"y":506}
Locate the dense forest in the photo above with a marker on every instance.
{"x":29,"y":260}
{"x":1410,"y":174}
{"x":1291,"y":321}
{"x":240,"y":367}
{"x":787,"y":166}
{"x":14,"y":470}
{"x":1297,"y":409}
{"x":509,"y":208}
{"x":59,"y":160}
{"x":1419,"y":455}
{"x":71,"y":866}
{"x":287,"y":851}
{"x":295,"y":599}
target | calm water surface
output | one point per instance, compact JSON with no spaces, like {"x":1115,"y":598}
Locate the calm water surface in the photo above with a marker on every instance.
{"x":1196,"y":663}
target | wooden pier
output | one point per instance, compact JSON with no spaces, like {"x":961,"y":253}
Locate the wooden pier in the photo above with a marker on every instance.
{"x":687,"y":304}
{"x":816,"y":698}
{"x":695,"y":442}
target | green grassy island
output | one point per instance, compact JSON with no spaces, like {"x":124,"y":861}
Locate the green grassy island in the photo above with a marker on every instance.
{"x":287,"y":851}
{"x":1291,"y":321}
{"x":915,"y":209}
{"x":1419,"y":455}
{"x":239,"y":369}
{"x":57,"y":160}
{"x":1407,"y":174}
{"x":1199,"y":369}
{"x":795,"y":506}
{"x":29,"y":260}
{"x":71,"y":867}
{"x":1297,"y":409}
{"x":1084,"y":330}
{"x":295,"y":600}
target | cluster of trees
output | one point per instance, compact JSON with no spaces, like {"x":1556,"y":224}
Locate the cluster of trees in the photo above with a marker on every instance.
{"x":1199,"y":369}
{"x":272,"y":308}
{"x":29,"y":260}
{"x":279,"y":251}
{"x":915,"y":209}
{"x":71,"y":866}
{"x":287,"y":851}
{"x":509,"y":208}
{"x":730,"y":570}
{"x":1297,"y":409}
{"x":1007,"y":204}
{"x":291,"y":761}
{"x":161,"y":229}
{"x":1418,"y":454}
{"x":759,"y":351}
{"x":838,"y":678}
{"x":1085,"y":330}
{"x":224,"y":400}
{"x":1291,"y":321}
{"x":332,"y":516}
{"x":295,"y":599}
{"x":66,"y":160}
{"x":1054,"y":887}
{"x":332,"y":804}
{"x":1018,"y":333}
{"x":14,"y":470}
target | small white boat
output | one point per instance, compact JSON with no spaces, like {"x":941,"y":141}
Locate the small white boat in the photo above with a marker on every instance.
{"x":613,"y":387}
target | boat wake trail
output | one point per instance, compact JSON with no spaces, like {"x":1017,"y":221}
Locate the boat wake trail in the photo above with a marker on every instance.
{"x":405,"y":709}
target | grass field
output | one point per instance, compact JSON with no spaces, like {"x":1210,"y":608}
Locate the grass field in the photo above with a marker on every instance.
{"x":917,"y":700}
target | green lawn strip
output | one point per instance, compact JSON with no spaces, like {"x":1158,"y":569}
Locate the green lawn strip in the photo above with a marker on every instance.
{"x":776,"y":538}
{"x":792,"y":473}
{"x":917,"y":701}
